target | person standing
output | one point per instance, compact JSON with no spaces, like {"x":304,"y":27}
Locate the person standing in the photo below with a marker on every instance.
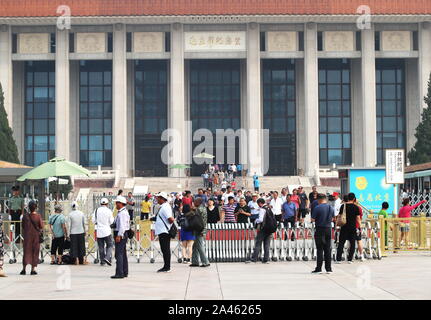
{"x":253,"y":205}
{"x":146,"y":208}
{"x":276,"y":204}
{"x":2,"y":274}
{"x":228,"y":215}
{"x":384,"y":213}
{"x":323,"y":216}
{"x":242,"y":211}
{"x":313,"y":194}
{"x":131,"y":206}
{"x":187,"y":237}
{"x":296,"y":199}
{"x":103,"y":219}
{"x":32,"y":226}
{"x":303,"y":204}
{"x":16,"y":209}
{"x":57,"y":224}
{"x":199,"y":244}
{"x":76,"y":228}
{"x":213,"y":214}
{"x":122,"y":226}
{"x":406,"y":212}
{"x":348,"y":231}
{"x":164,"y":220}
{"x":289,"y":211}
{"x":262,"y":236}
{"x":256,"y":183}
{"x":337,"y":203}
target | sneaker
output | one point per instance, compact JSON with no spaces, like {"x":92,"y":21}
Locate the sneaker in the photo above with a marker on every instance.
{"x":117,"y":277}
{"x":164,"y":270}
{"x":205,"y":265}
{"x":362,"y":259}
{"x":316,"y":271}
{"x":337,"y":262}
{"x":107,"y":262}
{"x":265,"y":262}
{"x":350,"y":261}
{"x":329,"y":271}
{"x":194,"y":265}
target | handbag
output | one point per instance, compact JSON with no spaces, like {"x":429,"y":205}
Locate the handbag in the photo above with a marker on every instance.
{"x":41,"y":239}
{"x":172,"y":231}
{"x":342,"y":217}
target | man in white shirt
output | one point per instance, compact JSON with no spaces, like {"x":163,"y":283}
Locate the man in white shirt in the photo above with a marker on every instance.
{"x":164,"y":221}
{"x":227,"y":194}
{"x":234,"y":170}
{"x":337,"y":203}
{"x":103,"y":218}
{"x":253,"y":208}
{"x":122,"y":225}
{"x":276,"y":204}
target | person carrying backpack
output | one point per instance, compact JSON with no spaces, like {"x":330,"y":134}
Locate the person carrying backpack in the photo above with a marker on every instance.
{"x":198,"y":251}
{"x":266,"y":226}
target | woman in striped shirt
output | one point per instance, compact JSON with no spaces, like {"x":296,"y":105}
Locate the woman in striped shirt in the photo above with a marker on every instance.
{"x":228,"y":211}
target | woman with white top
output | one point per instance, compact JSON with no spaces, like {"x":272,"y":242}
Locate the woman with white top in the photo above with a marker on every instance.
{"x":76,"y":228}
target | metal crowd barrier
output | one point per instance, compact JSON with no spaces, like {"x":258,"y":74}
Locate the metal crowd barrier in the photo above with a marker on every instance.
{"x":232,"y":242}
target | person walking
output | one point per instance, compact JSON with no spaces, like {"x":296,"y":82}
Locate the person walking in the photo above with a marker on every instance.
{"x":16,"y":209}
{"x":164,"y":220}
{"x":348,"y":231}
{"x":76,"y":229}
{"x":199,"y":244}
{"x":122,"y":226}
{"x":130,"y":207}
{"x":146,"y":207}
{"x":187,"y":237}
{"x":32,"y":226}
{"x":103,"y":218}
{"x":2,"y":273}
{"x":323,"y":216}
{"x":262,"y":237}
{"x":57,"y":225}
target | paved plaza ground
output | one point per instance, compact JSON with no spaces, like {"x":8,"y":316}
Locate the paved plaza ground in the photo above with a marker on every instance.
{"x":399,"y":276}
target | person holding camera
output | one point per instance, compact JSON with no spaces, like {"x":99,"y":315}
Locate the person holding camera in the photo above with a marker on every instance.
{"x":121,"y":227}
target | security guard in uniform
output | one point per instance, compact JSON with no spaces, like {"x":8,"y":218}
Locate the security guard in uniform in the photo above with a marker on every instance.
{"x":121,"y":227}
{"x":16,"y":209}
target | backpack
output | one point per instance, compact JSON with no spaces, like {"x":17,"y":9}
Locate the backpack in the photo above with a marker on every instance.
{"x":269,"y":224}
{"x":184,"y":223}
{"x":66,"y":259}
{"x":196,"y":223}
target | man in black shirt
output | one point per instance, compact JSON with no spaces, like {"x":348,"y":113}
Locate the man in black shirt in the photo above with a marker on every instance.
{"x":303,"y":205}
{"x":322,"y":215}
{"x":313,"y":195}
{"x":348,"y":231}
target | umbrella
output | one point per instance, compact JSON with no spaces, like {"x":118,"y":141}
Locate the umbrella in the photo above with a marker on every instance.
{"x":57,"y":167}
{"x":179,"y":166}
{"x":204,"y":155}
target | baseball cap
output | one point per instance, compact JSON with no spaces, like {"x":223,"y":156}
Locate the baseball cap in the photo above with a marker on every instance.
{"x":121,"y":199}
{"x":162,"y":195}
{"x":334,"y":194}
{"x":104,"y":201}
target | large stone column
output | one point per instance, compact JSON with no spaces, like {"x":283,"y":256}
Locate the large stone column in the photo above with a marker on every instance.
{"x":424,"y":60}
{"x":119,"y":95}
{"x":256,"y":154}
{"x":311,"y":100}
{"x":368,"y":119}
{"x":62,"y":95}
{"x":6,"y":68}
{"x":178,"y":137}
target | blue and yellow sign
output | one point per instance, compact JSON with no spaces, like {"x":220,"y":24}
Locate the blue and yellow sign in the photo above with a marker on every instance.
{"x":371,"y":189}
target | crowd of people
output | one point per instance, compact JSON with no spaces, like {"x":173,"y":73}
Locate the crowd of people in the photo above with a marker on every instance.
{"x":193,"y":212}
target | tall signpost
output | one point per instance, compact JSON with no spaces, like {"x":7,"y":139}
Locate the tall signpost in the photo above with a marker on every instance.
{"x":395,"y":171}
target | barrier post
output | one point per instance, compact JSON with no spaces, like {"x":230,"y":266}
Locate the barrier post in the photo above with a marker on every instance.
{"x":422,"y":231}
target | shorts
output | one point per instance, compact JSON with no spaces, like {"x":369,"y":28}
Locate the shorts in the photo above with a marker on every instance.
{"x":57,"y":245}
{"x":303,"y":212}
{"x":278,"y":217}
{"x":406,"y":227}
{"x":144,"y":215}
{"x":358,"y":237}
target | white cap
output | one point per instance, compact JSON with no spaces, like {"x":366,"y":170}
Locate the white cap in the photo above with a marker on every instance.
{"x":74,"y":205}
{"x":121,"y":199}
{"x":163,"y":195}
{"x":104,"y":201}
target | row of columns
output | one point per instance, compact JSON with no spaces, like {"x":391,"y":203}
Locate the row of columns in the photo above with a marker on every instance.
{"x":253,"y":118}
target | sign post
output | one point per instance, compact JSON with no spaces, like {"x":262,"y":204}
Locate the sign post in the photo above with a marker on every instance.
{"x":395,"y":171}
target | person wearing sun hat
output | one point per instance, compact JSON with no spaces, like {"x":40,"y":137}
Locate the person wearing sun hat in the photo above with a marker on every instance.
{"x":122,"y":225}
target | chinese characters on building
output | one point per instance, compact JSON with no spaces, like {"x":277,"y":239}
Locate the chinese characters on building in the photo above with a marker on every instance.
{"x":395,"y":166}
{"x":205,"y":41}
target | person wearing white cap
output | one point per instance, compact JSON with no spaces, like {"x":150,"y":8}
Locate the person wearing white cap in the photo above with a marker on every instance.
{"x":164,"y":220}
{"x":102,"y":219}
{"x":76,"y":228}
{"x":122,"y":225}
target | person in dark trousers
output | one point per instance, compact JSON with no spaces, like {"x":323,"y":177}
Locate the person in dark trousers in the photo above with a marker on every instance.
{"x":16,"y":209}
{"x":164,"y":220}
{"x":322,"y":216}
{"x":348,"y":231}
{"x":122,"y":225}
{"x":261,"y":237}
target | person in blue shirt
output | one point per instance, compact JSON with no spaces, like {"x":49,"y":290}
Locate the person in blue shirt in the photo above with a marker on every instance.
{"x":323,"y":215}
{"x":289,"y":212}
{"x":256,"y":183}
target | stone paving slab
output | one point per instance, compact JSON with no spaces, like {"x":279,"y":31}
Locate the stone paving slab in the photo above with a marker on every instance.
{"x":401,"y":276}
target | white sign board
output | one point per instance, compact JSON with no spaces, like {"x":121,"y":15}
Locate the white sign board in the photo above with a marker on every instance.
{"x":214,"y":41}
{"x":394,"y":166}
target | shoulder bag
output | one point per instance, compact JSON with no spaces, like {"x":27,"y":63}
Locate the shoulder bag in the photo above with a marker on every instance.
{"x":172,"y":231}
{"x":342,"y":217}
{"x":41,"y":239}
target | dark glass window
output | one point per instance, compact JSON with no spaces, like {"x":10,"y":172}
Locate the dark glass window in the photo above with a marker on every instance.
{"x":95,"y":113}
{"x":279,"y":115}
{"x":215,"y":100}
{"x":39,"y":112}
{"x":151,"y":107}
{"x":390,"y":105}
{"x":334,"y":112}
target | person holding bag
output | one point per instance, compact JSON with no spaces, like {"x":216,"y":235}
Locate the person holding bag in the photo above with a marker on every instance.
{"x":187,"y":236}
{"x":165,"y":229}
{"x":57,"y":224}
{"x":32,"y":227}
